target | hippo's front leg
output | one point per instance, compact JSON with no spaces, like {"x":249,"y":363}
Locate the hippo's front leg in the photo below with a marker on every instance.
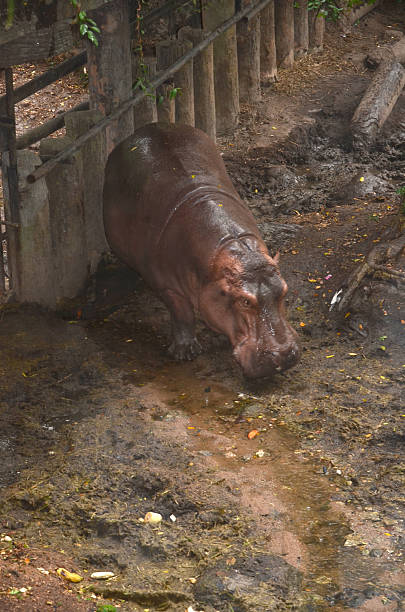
{"x":184,"y":343}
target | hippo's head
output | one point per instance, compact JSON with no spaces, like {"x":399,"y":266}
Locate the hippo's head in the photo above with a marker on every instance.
{"x":244,"y":299}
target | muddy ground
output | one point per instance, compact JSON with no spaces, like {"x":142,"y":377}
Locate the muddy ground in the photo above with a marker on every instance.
{"x":99,"y":426}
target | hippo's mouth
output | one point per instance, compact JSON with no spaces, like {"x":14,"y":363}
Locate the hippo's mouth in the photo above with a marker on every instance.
{"x":264,"y":364}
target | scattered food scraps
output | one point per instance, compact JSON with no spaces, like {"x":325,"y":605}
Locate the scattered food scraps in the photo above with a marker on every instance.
{"x":70,"y":576}
{"x":252,"y":434}
{"x":153,"y":518}
{"x":102,"y":575}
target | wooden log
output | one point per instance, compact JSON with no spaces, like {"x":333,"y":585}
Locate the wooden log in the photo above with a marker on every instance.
{"x":109,"y":68}
{"x":166,"y":109}
{"x":167,"y":52}
{"x":225,"y":64}
{"x":203,"y":80}
{"x":146,"y":111}
{"x":248,"y":43}
{"x":268,"y":58}
{"x":316,"y":31}
{"x":390,"y":52}
{"x":284,"y":24}
{"x":377,"y":104}
{"x":301,"y":28}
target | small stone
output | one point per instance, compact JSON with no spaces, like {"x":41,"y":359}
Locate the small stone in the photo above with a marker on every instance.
{"x":376,"y":552}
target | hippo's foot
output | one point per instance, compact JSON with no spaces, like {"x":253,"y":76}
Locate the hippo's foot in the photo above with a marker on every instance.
{"x":185,"y":351}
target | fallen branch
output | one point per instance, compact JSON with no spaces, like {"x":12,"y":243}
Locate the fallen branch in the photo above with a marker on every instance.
{"x":373,"y":262}
{"x":389,"y":271}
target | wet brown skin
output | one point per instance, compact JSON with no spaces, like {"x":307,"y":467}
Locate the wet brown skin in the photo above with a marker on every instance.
{"x":172,"y":213}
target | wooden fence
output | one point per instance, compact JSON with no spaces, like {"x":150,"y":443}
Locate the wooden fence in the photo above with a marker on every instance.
{"x":51,"y":231}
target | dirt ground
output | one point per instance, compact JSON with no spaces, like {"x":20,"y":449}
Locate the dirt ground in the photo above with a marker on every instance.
{"x":99,"y":426}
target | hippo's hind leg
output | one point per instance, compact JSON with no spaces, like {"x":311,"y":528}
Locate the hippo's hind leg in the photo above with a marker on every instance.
{"x":184,"y":343}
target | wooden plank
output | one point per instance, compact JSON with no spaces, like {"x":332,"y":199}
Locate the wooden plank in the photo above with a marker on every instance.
{"x":36,"y":45}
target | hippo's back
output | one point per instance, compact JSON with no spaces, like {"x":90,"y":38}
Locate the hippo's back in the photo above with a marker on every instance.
{"x":147,"y":175}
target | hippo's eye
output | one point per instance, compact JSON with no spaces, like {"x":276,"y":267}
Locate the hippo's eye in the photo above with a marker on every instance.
{"x":246,"y":302}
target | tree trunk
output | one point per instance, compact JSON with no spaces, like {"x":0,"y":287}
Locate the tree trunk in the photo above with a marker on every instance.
{"x":248,"y":39}
{"x":109,"y":68}
{"x":301,"y":28}
{"x":268,"y":58}
{"x":203,"y":77}
{"x":284,"y":23}
{"x":316,"y":31}
{"x":225,"y":64}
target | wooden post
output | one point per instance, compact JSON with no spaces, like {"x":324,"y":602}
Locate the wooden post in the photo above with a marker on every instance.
{"x":248,"y":39}
{"x":284,"y":23}
{"x":166,"y":110}
{"x":301,"y":29}
{"x":67,"y":222}
{"x":268,"y":58}
{"x":225,"y":64}
{"x":145,"y":69}
{"x":316,"y":31}
{"x":92,"y":159}
{"x":203,"y":78}
{"x":167,"y":52}
{"x":109,"y":68}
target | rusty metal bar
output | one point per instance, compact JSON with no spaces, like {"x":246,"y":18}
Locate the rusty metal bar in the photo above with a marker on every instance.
{"x":10,"y":172}
{"x":101,"y":125}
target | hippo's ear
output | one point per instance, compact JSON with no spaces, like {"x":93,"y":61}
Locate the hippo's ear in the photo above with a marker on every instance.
{"x":276,"y":258}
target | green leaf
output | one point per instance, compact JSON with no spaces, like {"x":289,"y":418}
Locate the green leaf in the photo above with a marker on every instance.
{"x":82,"y":15}
{"x":95,"y":29}
{"x":92,"y":38}
{"x":83,"y":28}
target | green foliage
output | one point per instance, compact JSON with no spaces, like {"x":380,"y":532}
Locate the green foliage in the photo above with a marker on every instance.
{"x":106,"y":608}
{"x":87,"y":26}
{"x":331,"y":9}
{"x":174,"y":92}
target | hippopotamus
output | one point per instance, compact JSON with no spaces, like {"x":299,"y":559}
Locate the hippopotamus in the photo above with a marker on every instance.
{"x":172,"y":213}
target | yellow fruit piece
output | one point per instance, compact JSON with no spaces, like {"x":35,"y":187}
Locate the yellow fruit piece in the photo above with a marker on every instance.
{"x":70,"y":576}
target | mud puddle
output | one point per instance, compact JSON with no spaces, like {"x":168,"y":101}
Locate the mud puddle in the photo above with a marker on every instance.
{"x":288,"y":496}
